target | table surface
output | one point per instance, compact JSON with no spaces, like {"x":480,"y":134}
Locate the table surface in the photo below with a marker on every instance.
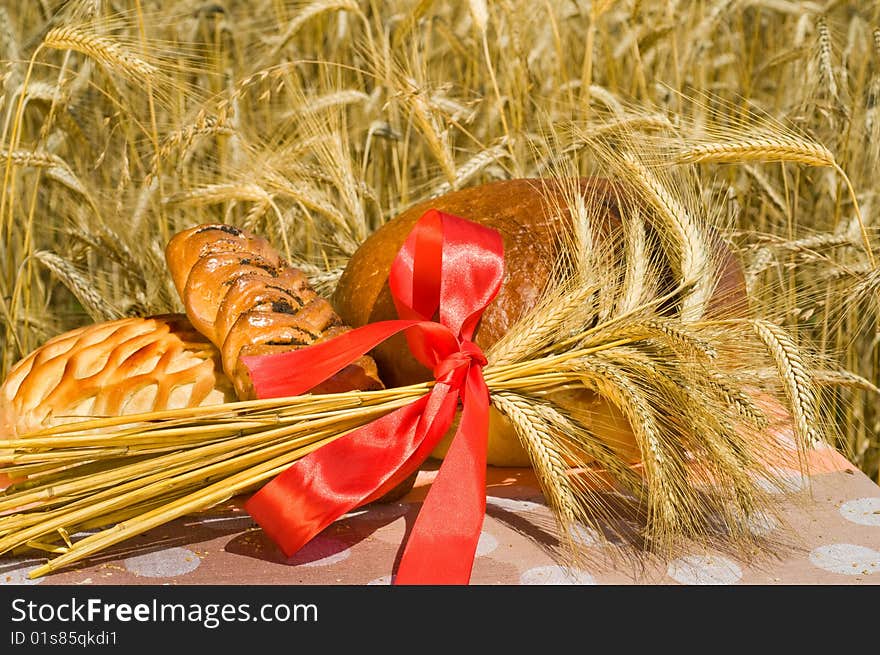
{"x":824,"y":529}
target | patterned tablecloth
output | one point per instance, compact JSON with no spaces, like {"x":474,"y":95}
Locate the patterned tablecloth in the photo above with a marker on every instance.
{"x":827,"y":531}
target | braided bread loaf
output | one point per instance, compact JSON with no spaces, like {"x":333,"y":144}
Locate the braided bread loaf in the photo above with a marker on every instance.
{"x":246,"y":300}
{"x":241,"y":299}
{"x":127,"y":366}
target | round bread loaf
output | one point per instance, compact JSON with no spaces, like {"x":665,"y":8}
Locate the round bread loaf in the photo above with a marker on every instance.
{"x":530,"y":215}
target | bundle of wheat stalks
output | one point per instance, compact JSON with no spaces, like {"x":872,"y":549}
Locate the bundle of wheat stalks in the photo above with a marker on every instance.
{"x":314,"y":123}
{"x":687,"y":386}
{"x":694,"y":389}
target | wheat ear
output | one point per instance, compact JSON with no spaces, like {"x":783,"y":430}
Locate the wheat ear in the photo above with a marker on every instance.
{"x":94,"y":304}
{"x":221,"y":192}
{"x":100,"y":49}
{"x":763,"y":148}
{"x":542,"y":325}
{"x":845,"y":379}
{"x":776,"y":148}
{"x":796,"y":379}
{"x":637,"y":264}
{"x":694,"y":259}
{"x":537,"y":436}
{"x":667,"y":503}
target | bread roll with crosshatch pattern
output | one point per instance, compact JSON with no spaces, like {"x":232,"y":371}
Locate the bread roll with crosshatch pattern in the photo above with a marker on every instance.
{"x":122,"y":367}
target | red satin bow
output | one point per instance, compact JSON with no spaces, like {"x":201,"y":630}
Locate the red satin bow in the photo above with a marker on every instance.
{"x":447,"y":265}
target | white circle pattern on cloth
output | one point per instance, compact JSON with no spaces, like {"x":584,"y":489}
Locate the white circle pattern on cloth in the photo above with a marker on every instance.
{"x":783,"y":482}
{"x":378,"y":512}
{"x":785,"y":438}
{"x":384,"y":580}
{"x":556,"y":575}
{"x":704,"y":570}
{"x":584,"y":536}
{"x":18,"y":576}
{"x":864,"y":511}
{"x":230,"y":523}
{"x":167,"y":563}
{"x":761,"y":524}
{"x":486,"y":544}
{"x":515,"y":505}
{"x":846,"y":559}
{"x":320,"y":551}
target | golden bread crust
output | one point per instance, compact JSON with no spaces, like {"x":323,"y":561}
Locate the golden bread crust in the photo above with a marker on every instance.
{"x":530,"y":215}
{"x":122,"y":367}
{"x":247,"y":300}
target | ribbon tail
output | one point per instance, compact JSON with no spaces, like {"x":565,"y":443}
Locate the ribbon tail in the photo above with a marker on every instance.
{"x":358,"y":467}
{"x":294,"y":372}
{"x":443,"y":543}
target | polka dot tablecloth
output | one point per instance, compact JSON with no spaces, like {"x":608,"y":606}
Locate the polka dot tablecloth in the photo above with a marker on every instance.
{"x":825,"y":529}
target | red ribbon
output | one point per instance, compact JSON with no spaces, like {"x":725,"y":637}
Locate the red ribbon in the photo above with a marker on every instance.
{"x":449,"y":267}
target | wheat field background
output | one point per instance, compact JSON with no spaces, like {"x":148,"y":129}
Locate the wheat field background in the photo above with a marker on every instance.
{"x":315,"y":122}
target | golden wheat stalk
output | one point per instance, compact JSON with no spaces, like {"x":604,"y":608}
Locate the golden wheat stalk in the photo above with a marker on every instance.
{"x":760,"y":148}
{"x":309,"y":12}
{"x":472,"y":167}
{"x":331,"y":100}
{"x":667,"y":502}
{"x":681,"y":337}
{"x":560,"y":308}
{"x":636,"y":284}
{"x":537,"y":436}
{"x":56,"y":168}
{"x":79,"y":285}
{"x":868,"y":284}
{"x":178,"y":461}
{"x":201,"y":499}
{"x":845,"y":379}
{"x":217,"y":193}
{"x":795,"y":375}
{"x":217,"y":455}
{"x":694,"y":259}
{"x":736,"y":398}
{"x":777,"y":147}
{"x":579,"y":448}
{"x":101,"y":49}
{"x":825,"y":64}
{"x":182,"y":138}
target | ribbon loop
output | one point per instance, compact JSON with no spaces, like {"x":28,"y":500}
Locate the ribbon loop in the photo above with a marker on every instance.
{"x":450,"y":267}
